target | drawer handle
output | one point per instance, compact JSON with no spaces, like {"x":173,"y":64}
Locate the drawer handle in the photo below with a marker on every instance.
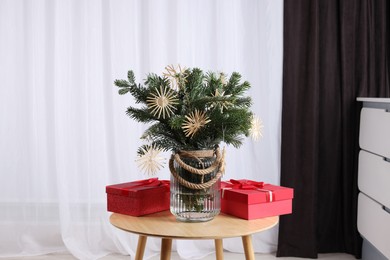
{"x":386,"y":209}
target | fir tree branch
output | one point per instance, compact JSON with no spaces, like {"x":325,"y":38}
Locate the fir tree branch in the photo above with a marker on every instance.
{"x":139,"y":92}
{"x":120,"y":83}
{"x":140,"y":114}
{"x":131,"y":77}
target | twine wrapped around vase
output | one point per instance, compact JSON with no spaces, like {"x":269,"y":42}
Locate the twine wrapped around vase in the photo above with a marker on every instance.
{"x":219,"y":164}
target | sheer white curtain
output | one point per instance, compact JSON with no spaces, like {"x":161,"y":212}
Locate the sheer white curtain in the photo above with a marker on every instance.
{"x":64,"y":134}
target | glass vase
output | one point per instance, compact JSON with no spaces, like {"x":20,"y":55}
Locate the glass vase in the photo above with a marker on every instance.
{"x":195,"y":205}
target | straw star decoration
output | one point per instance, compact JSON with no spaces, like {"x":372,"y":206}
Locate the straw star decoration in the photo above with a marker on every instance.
{"x":223,"y":104}
{"x":256,"y":130}
{"x":222,"y":78}
{"x":194,"y":121}
{"x":150,"y":161}
{"x":162,"y":102}
{"x":176,"y":75}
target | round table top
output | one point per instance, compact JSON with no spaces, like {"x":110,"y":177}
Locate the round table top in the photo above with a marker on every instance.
{"x":164,"y":224}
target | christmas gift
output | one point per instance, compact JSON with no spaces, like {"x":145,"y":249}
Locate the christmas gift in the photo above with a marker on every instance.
{"x":138,"y":198}
{"x":249,"y":199}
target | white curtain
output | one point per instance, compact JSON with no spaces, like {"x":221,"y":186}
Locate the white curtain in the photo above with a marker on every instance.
{"x":64,"y":134}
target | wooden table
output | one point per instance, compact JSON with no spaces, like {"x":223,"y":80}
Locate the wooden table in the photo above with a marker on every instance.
{"x":164,"y":225}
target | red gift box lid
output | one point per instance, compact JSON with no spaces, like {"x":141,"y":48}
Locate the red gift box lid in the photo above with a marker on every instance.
{"x":129,"y":188}
{"x":252,"y":192}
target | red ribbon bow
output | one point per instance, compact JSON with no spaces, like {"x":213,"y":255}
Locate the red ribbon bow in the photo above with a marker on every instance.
{"x":152,"y":182}
{"x":248,"y":185}
{"x":245,"y":184}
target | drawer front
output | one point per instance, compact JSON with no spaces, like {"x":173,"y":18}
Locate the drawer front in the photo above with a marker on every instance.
{"x":374,"y":177}
{"x":374,"y":223}
{"x":375,"y":131}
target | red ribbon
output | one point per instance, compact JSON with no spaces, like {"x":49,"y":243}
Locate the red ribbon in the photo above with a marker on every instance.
{"x":152,"y":182}
{"x":166,"y":184}
{"x":245,"y":184}
{"x":248,"y":185}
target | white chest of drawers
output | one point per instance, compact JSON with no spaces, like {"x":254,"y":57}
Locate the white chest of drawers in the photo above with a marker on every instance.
{"x":374,"y":173}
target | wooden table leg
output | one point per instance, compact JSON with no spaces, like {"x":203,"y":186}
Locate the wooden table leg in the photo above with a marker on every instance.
{"x":139,"y":255}
{"x":218,"y":249}
{"x":166,"y":246}
{"x":248,"y":247}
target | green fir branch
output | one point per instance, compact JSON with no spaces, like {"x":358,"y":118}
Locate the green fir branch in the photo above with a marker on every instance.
{"x":131,"y":77}
{"x":121,"y":83}
{"x":140,"y":114}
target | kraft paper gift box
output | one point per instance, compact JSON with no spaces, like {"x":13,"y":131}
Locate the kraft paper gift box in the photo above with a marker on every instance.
{"x":138,"y":198}
{"x":252,"y":200}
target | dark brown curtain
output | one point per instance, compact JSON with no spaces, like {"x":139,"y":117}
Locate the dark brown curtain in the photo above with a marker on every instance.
{"x":334,"y":51}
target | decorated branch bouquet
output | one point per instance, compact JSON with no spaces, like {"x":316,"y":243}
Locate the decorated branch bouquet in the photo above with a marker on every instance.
{"x":188,"y":109}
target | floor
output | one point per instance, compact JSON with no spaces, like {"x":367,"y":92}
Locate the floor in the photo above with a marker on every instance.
{"x":227,"y":256}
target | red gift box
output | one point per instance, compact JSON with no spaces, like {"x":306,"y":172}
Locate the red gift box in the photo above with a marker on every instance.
{"x":138,"y":198}
{"x":252,"y":200}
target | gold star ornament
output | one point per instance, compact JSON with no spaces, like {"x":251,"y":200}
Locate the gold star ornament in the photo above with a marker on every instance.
{"x":222,"y":104}
{"x":194,"y":121}
{"x":176,"y":75}
{"x":161,"y":102}
{"x":256,"y":130}
{"x":150,"y":161}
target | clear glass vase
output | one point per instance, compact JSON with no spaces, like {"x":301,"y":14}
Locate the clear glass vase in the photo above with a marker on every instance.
{"x":195,"y":205}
